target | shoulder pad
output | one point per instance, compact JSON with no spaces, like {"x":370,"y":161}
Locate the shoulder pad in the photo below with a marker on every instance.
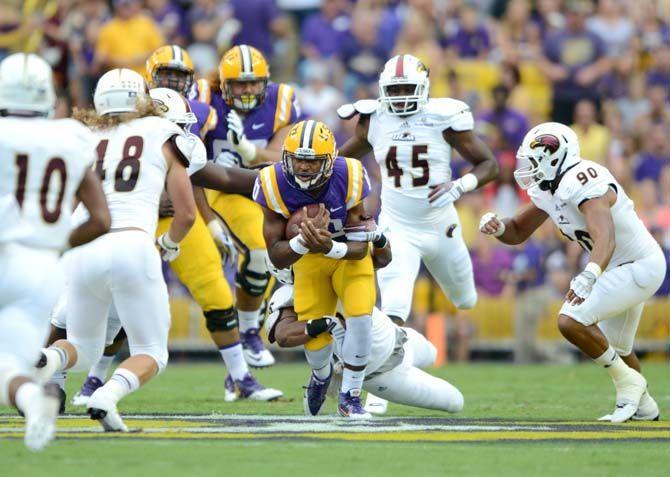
{"x":363,"y":106}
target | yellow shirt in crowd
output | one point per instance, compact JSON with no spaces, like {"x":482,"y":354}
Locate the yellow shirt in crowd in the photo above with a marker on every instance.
{"x":593,"y":143}
{"x":127,"y":43}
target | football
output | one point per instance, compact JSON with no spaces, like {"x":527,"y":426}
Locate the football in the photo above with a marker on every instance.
{"x":293,"y":224}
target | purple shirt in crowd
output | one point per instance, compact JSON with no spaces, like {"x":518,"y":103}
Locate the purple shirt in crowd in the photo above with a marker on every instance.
{"x":512,"y":123}
{"x":470,"y":44}
{"x":256,"y":17}
{"x":323,"y":34}
{"x":649,"y":166}
{"x":488,"y":272}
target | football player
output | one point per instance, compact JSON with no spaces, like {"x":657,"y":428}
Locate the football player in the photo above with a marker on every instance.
{"x":254,"y":117}
{"x":411,"y":137}
{"x":326,"y":266}
{"x":40,"y":181}
{"x":198,"y":266}
{"x":626,"y":266}
{"x":139,"y":154}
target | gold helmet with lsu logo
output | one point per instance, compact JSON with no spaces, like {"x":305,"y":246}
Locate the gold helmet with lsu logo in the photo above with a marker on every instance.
{"x":170,"y":66}
{"x":309,"y":142}
{"x":246,"y":65}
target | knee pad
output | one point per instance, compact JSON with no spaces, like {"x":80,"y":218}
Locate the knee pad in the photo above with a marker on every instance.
{"x":467,"y":302}
{"x":221,"y":320}
{"x":253,"y":276}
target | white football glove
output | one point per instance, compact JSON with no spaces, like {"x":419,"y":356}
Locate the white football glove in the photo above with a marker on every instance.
{"x":238,"y":139}
{"x":490,"y":224}
{"x":168,"y":248}
{"x":228,"y":159}
{"x":582,"y":285}
{"x":223,"y":241}
{"x":364,"y":236}
{"x":442,"y":196}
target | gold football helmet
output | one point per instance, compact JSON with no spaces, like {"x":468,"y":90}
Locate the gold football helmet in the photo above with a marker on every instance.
{"x":308,"y":154}
{"x":244,"y":69}
{"x":170,"y":66}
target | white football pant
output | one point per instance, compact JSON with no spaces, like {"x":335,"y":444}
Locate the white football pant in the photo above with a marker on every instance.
{"x":123,"y":268}
{"x":30,"y":282}
{"x":443,"y":252}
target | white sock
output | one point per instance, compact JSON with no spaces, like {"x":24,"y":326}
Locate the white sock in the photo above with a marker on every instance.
{"x":26,"y":394}
{"x":234,"y":358}
{"x":352,"y":381}
{"x":57,"y":357}
{"x":59,"y":379}
{"x":101,"y":368}
{"x":613,"y":364}
{"x":122,"y":383}
{"x":319,"y":361}
{"x":248,"y":319}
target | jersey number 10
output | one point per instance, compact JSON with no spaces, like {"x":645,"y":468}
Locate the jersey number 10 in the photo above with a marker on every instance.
{"x":55,"y":166}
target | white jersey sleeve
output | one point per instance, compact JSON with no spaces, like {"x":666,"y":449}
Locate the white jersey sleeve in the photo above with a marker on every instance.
{"x":43,"y":164}
{"x":449,"y":113}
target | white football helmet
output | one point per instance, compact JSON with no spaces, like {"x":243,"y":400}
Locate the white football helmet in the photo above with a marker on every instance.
{"x":174,"y":106}
{"x":546,"y":152}
{"x":117,"y":91}
{"x":404,"y":70}
{"x":26,"y":85}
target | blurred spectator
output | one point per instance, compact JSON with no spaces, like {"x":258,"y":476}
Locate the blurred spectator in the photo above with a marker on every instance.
{"x":653,"y":30}
{"x":513,"y":123}
{"x":127,"y":39}
{"x":518,"y":35}
{"x":635,"y":103}
{"x":260,"y":21}
{"x":471,"y":39}
{"x":322,"y":33}
{"x":212,"y":30}
{"x":594,"y":138}
{"x":659,"y":75}
{"x":492,"y":265}
{"x":170,"y":19}
{"x":574,"y":61}
{"x":655,"y":154}
{"x":655,"y":215}
{"x":609,"y":23}
{"x":318,"y":98}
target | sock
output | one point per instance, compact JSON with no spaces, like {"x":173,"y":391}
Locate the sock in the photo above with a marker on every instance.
{"x":101,"y":368}
{"x":234,"y":358}
{"x":613,"y":364}
{"x":356,"y":352}
{"x":59,"y":379}
{"x":56,"y":358}
{"x":122,"y":383}
{"x":248,"y":319}
{"x":319,"y":361}
{"x":27,"y":393}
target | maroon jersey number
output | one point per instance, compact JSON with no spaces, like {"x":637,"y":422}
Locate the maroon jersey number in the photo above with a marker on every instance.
{"x":128,"y":170}
{"x":55,"y":166}
{"x":394,"y":170}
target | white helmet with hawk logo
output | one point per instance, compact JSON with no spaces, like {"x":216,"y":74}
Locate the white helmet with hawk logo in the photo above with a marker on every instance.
{"x":403,"y":85}
{"x":547,"y":151}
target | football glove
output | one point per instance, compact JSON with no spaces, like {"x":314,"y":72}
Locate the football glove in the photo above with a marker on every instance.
{"x":364,"y":236}
{"x":582,"y":285}
{"x":490,"y":224}
{"x":228,"y":159}
{"x":439,"y":196}
{"x":168,"y":248}
{"x":238,"y":139}
{"x":223,"y":241}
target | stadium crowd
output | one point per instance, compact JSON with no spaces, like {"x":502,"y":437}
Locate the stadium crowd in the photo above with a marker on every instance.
{"x":602,"y":66}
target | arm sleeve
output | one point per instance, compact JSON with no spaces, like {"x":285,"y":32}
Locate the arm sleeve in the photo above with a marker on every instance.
{"x":258,"y":195}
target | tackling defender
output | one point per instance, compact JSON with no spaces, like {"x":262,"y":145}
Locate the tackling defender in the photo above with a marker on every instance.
{"x":326,"y":266}
{"x":603,"y":307}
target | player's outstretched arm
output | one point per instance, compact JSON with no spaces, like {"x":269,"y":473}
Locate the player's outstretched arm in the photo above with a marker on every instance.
{"x":358,"y":146}
{"x":90,"y":193}
{"x":473,"y":150}
{"x":231,"y":180}
{"x":514,"y":230}
{"x":181,"y":194}
{"x":279,"y":250}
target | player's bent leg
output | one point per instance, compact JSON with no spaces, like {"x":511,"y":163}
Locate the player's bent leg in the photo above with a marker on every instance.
{"x":422,"y":352}
{"x":319,"y":357}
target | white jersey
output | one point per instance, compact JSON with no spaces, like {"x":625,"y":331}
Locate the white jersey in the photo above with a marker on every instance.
{"x":413,"y":155}
{"x":43,"y":163}
{"x":588,"y":180}
{"x":133,"y":170}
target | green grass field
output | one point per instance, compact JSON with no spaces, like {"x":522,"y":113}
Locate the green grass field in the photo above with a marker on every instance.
{"x":518,"y":420}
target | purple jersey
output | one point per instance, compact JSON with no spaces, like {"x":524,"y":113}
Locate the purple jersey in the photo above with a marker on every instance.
{"x":206,"y":116}
{"x":279,"y":109}
{"x":347,"y":186}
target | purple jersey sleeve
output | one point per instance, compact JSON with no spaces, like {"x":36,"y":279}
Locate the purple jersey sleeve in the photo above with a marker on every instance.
{"x":258,"y":195}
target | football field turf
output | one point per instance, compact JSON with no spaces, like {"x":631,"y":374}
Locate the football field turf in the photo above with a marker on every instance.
{"x":518,"y":420}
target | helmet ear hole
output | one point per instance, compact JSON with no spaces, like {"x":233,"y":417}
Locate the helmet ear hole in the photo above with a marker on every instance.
{"x":554,"y":162}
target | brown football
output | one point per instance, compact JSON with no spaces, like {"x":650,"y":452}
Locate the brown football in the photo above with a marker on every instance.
{"x":293,"y":223}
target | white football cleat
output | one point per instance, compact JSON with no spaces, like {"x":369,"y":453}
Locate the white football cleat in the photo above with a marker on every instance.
{"x":629,"y":391}
{"x":646,"y":411}
{"x":255,"y":353}
{"x":103,"y":410}
{"x":41,"y":418}
{"x":375,"y":405}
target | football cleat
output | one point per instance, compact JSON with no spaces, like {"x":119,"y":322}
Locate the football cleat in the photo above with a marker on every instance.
{"x":646,"y":411}
{"x":376,"y":405}
{"x":351,"y":408}
{"x":103,"y":410}
{"x":629,"y":391}
{"x":315,"y":394}
{"x":255,"y":353}
{"x":249,"y":388}
{"x":41,"y":420}
{"x":87,"y":389}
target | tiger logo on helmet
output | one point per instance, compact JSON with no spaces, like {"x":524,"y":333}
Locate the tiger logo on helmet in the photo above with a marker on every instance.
{"x":170,"y":66}
{"x":244,"y":64}
{"x":309,"y":141}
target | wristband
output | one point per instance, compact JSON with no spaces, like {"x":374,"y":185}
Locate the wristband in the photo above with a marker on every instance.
{"x":594,"y":268}
{"x":168,"y":242}
{"x":469,"y":182}
{"x":297,"y":246}
{"x":380,"y":242}
{"x":339,"y":250}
